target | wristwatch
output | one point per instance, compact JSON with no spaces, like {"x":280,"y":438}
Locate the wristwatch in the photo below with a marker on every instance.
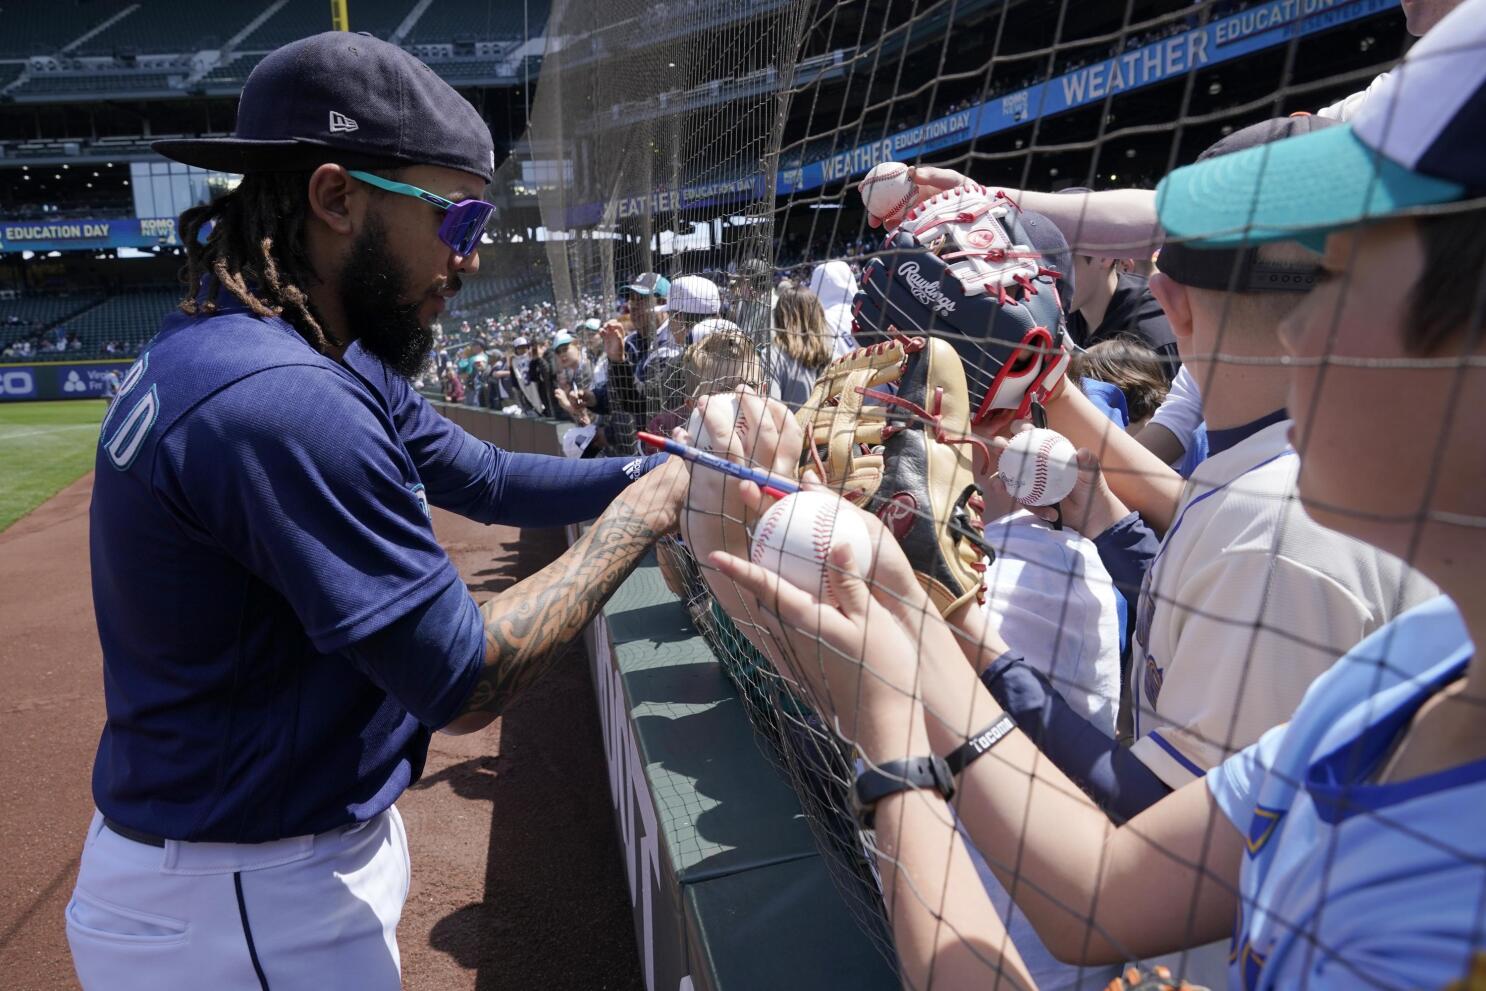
{"x":874,"y":784}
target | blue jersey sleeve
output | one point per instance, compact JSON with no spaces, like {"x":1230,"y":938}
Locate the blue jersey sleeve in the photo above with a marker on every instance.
{"x":1112,"y":776}
{"x":1235,"y":783}
{"x":297,"y":473}
{"x":481,"y":482}
{"x":1127,"y":549}
{"x":448,"y":630}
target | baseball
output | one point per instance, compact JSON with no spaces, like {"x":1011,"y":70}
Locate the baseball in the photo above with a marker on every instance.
{"x":887,"y":191}
{"x":1039,"y":467}
{"x":696,"y":427}
{"x":794,"y":537}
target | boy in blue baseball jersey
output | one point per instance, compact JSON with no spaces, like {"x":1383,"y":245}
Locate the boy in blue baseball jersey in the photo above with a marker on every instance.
{"x":281,"y":631}
{"x":1343,"y":850}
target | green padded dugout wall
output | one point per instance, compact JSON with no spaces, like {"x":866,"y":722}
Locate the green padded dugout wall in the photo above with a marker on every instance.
{"x":728,"y":887}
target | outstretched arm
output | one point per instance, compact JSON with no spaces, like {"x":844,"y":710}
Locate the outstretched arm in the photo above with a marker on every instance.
{"x":528,"y":625}
{"x":1085,"y":884}
{"x":1110,"y":223}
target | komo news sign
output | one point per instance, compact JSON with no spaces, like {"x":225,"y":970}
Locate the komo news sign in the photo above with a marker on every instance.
{"x":76,"y":235}
{"x":62,"y":380}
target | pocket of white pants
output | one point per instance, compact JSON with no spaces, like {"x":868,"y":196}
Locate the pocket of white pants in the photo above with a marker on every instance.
{"x":90,"y":917}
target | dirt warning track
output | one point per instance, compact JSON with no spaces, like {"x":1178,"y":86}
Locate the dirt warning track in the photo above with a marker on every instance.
{"x":517,"y":877}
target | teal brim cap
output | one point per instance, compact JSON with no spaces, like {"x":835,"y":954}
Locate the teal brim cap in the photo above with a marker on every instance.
{"x":1301,"y":188}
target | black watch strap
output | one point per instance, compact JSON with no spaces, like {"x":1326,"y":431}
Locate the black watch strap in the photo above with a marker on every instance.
{"x":966,"y":753}
{"x":874,"y":784}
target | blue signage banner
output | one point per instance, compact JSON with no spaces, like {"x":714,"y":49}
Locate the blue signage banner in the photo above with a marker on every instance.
{"x":60,"y":380}
{"x":50,"y":234}
{"x":1222,"y":40}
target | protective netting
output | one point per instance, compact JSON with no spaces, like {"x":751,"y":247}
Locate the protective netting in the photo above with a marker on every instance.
{"x":723,"y":141}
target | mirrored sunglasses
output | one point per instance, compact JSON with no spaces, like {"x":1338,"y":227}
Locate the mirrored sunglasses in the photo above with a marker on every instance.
{"x":463,"y":222}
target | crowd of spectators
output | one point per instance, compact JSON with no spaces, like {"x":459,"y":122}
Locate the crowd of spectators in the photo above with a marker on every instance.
{"x":1200,"y":672}
{"x":24,"y":339}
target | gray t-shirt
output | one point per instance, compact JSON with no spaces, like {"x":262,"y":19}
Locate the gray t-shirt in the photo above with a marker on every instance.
{"x":789,"y":381}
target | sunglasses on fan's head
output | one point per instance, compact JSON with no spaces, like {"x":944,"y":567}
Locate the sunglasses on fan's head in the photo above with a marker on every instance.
{"x":464,"y":221}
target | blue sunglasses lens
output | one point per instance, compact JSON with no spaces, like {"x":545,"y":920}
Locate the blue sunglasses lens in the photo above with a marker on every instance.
{"x":464,"y":223}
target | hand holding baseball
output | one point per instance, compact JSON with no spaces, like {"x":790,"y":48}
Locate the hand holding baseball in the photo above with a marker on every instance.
{"x":927,"y":181}
{"x":795,"y":536}
{"x":888,"y":193}
{"x":1039,"y":467}
{"x":1088,"y":507}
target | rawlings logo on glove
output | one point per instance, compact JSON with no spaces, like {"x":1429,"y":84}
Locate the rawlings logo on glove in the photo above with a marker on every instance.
{"x":960,"y":267}
{"x":929,"y":293}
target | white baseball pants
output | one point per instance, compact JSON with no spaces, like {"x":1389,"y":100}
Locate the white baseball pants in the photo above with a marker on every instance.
{"x":306,"y":912}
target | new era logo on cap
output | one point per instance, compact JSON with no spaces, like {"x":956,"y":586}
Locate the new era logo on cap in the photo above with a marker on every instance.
{"x":340,"y":122}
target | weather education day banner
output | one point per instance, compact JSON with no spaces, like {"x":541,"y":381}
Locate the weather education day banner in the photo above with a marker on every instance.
{"x":51,"y":234}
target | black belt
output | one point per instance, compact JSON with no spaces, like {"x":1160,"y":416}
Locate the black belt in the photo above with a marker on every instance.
{"x":148,"y":839}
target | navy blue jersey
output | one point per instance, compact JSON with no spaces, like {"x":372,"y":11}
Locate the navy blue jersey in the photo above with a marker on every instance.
{"x":255,"y":513}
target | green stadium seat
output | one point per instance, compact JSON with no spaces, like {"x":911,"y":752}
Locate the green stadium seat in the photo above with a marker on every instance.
{"x":494,"y":20}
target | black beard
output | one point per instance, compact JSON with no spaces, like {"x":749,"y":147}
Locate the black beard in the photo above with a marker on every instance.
{"x":372,"y":298}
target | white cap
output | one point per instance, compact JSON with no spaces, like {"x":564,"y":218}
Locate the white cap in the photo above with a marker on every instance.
{"x":520,"y":342}
{"x":695,"y":294}
{"x":712,"y":326}
{"x":576,"y":440}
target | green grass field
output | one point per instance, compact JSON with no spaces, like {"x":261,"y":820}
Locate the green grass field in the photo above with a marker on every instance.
{"x":43,"y":448}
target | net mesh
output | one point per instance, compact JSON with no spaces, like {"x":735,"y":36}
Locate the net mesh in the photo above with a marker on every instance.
{"x":723,"y":140}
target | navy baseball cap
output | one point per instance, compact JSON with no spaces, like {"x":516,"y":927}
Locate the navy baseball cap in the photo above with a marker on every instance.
{"x":346,"y":98}
{"x":1415,"y":142}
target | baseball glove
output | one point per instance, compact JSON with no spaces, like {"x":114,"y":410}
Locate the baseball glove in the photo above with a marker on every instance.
{"x":906,"y":456}
{"x":1156,"y":979}
{"x":961,"y":267}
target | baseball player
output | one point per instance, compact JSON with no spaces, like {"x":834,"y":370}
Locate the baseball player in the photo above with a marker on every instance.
{"x":111,"y":383}
{"x":281,"y":632}
{"x":1340,"y":851}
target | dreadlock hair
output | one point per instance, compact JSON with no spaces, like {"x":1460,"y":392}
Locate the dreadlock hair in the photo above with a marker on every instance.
{"x":255,"y":250}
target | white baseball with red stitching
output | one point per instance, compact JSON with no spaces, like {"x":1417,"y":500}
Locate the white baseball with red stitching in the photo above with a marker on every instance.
{"x":1039,"y":467}
{"x":887,"y":191}
{"x":696,"y":426}
{"x":794,"y":539}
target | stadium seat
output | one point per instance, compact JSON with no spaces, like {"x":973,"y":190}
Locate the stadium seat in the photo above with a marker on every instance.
{"x":449,"y":20}
{"x":104,"y":84}
{"x":300,"y":18}
{"x":233,"y":73}
{"x":45,"y":27}
{"x":129,"y":318}
{"x":34,"y":314}
{"x":170,"y":26}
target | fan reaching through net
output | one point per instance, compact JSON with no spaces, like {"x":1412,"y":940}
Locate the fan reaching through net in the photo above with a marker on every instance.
{"x":1034,"y":718}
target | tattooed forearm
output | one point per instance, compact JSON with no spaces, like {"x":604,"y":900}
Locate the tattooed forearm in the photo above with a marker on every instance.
{"x":527,"y":626}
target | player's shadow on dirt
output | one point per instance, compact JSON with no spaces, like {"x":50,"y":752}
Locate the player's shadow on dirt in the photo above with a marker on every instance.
{"x":511,"y":561}
{"x":556,"y":911}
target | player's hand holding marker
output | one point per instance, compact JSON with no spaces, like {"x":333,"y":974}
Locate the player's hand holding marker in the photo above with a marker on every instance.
{"x":747,"y":429}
